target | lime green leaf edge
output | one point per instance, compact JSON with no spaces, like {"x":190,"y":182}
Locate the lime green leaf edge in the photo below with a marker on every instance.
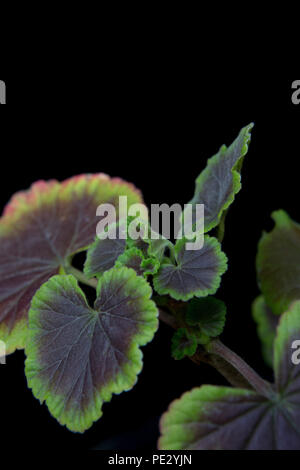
{"x":124,"y":382}
{"x":173,"y":436}
{"x":223,"y":266}
{"x":236,"y":172}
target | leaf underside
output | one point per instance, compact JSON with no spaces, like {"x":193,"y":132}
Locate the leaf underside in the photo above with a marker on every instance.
{"x":39,"y":231}
{"x":219,"y":418}
{"x":77,"y":357}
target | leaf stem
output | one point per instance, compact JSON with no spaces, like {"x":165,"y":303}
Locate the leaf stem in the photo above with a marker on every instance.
{"x":260,"y":385}
{"x":168,"y":319}
{"x":223,"y":367}
{"x":235,"y":370}
{"x":81,"y":277}
{"x":230,"y":373}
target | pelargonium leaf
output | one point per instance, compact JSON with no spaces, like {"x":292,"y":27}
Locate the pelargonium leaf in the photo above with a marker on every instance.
{"x":135,"y":259}
{"x":212,"y":418}
{"x":183,"y":344}
{"x":141,"y":243}
{"x":150,"y":266}
{"x":78,"y":356}
{"x":104,"y":253}
{"x":39,"y":231}
{"x":218,"y":184}
{"x":267,"y":324}
{"x":278,"y":263}
{"x":132,"y":258}
{"x":102,"y":256}
{"x":194,"y":273}
{"x":220,"y":418}
{"x":208,"y":314}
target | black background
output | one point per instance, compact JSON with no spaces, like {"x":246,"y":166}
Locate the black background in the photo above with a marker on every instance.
{"x":155,"y":128}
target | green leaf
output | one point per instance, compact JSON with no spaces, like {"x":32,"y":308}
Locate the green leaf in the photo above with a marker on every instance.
{"x":278,"y":263}
{"x":134,"y":258}
{"x":78,"y":356}
{"x":204,"y":319}
{"x":150,"y":266}
{"x":183,"y":344}
{"x":218,"y":184}
{"x":220,"y":418}
{"x":39,"y":232}
{"x":194,"y":273}
{"x":208,"y":314}
{"x":267,"y":324}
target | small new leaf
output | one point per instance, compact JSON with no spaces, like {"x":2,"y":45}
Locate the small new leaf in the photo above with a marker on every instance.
{"x":183,"y":344}
{"x":150,"y":266}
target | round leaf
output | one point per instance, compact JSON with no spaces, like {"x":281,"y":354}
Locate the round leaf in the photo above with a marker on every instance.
{"x":39,"y":231}
{"x":194,"y":273}
{"x":77,"y":357}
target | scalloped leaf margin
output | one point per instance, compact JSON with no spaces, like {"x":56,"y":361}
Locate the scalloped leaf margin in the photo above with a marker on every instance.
{"x":78,"y":357}
{"x":40,"y":230}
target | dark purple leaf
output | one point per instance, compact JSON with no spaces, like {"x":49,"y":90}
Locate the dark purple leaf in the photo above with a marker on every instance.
{"x":78,"y":357}
{"x":39,"y":231}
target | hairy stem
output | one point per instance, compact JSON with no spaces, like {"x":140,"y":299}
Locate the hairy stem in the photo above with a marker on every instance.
{"x":260,"y":385}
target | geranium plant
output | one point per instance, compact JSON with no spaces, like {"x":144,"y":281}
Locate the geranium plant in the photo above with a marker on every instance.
{"x":78,"y":355}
